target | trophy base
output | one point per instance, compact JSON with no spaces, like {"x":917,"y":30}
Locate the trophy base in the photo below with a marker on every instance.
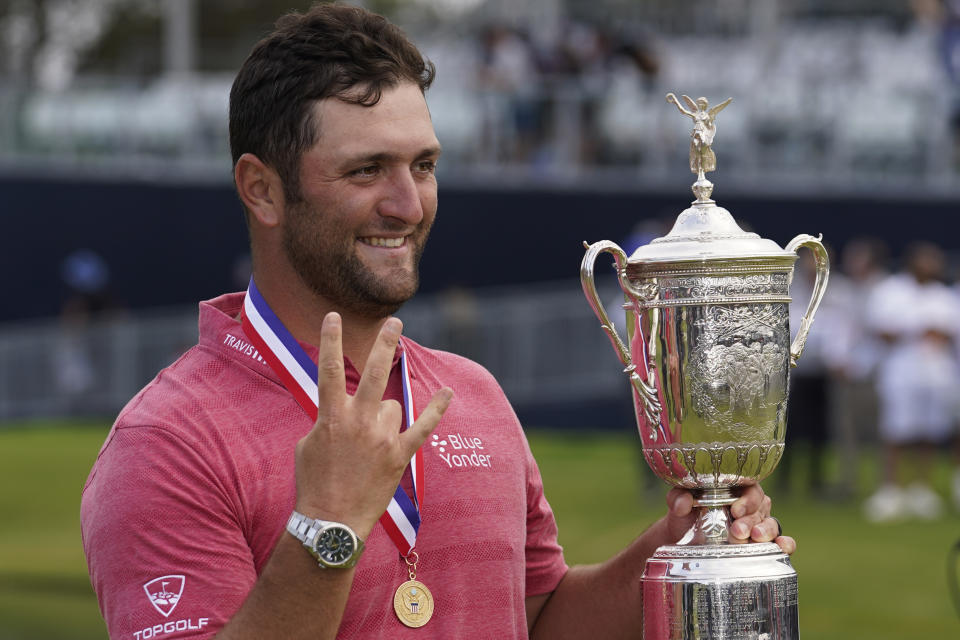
{"x":725,"y":591}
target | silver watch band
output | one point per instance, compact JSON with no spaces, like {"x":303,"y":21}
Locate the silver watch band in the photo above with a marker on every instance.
{"x":303,"y":528}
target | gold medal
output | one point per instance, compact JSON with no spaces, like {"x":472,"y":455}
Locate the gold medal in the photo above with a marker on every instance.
{"x":413,"y":603}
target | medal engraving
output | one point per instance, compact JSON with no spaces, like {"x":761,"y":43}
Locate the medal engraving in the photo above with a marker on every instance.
{"x":413,"y":603}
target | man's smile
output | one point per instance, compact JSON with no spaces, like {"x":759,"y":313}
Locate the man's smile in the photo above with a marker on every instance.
{"x":391,"y":243}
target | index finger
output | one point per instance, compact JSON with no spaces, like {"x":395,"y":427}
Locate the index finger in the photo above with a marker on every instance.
{"x":751,"y":500}
{"x":331,"y":379}
{"x":376,"y":371}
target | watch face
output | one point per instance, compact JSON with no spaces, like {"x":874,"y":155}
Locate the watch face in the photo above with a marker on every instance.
{"x":335,"y":545}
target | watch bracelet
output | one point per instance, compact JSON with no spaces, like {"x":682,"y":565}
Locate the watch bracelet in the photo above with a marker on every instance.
{"x":305,"y":529}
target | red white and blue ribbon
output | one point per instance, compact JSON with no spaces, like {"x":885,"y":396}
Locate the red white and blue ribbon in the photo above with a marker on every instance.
{"x":298,"y":372}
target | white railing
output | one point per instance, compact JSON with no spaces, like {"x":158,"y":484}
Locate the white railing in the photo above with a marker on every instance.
{"x":542,"y":342}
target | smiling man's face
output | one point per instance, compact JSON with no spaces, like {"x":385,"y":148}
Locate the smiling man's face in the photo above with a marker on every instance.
{"x":368,"y":200}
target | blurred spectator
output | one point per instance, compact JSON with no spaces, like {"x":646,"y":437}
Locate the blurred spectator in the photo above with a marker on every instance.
{"x":584,"y":63}
{"x":541,"y":100}
{"x":944,"y":15}
{"x":461,"y":313}
{"x":918,"y":377}
{"x":87,"y":277}
{"x":507,"y":80}
{"x":853,"y":398}
{"x":808,"y":416}
{"x":950,"y":48}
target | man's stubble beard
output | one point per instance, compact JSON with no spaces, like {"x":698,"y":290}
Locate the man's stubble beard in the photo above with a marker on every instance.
{"x":330,"y":267}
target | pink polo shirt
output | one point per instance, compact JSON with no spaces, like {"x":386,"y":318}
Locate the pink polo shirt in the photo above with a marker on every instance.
{"x":195,"y":482}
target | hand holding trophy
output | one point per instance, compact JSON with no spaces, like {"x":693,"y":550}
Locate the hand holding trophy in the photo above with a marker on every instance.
{"x":708,"y":354}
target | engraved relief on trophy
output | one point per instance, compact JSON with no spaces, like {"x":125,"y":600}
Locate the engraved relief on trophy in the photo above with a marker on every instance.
{"x":739,"y":376}
{"x":699,"y":289}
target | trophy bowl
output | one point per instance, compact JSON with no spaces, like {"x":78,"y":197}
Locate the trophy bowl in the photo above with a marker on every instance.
{"x":708,"y":354}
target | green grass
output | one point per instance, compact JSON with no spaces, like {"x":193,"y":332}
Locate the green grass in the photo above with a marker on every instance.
{"x":856,"y":580}
{"x":45,"y":593}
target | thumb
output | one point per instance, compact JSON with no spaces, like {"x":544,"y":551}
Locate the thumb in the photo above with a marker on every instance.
{"x":680,"y":512}
{"x":428,"y":420}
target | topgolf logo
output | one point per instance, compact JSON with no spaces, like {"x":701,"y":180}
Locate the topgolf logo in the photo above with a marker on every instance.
{"x":164,"y":593}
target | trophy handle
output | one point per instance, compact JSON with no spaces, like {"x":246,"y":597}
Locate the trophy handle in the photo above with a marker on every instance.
{"x":647,"y":391}
{"x":819,"y":288}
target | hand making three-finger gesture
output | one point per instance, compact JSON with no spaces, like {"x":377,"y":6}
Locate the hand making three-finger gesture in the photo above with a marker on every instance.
{"x":349,"y":465}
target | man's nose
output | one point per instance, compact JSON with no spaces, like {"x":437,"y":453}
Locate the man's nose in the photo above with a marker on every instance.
{"x":402,"y":199}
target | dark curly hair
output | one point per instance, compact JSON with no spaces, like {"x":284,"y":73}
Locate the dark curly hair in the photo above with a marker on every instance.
{"x":331,"y":50}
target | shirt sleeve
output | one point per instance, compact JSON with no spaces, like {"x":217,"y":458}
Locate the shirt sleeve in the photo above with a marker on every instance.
{"x":544,"y":555}
{"x":166,"y":552}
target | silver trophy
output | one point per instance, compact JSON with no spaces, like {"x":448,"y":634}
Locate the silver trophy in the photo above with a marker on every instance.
{"x":708,"y":355}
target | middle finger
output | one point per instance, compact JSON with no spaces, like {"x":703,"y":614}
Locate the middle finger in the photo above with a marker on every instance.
{"x":376,"y":371}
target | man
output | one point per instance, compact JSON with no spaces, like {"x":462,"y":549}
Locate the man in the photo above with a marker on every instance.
{"x":219,"y":473}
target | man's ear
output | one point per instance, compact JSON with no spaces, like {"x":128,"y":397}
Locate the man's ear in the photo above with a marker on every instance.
{"x":260,"y":189}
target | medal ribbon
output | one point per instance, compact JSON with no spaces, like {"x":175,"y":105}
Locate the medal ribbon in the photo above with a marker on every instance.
{"x":298,"y":372}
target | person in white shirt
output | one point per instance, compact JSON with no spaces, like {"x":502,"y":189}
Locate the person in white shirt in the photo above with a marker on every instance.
{"x":857,"y":350}
{"x":918,"y":379}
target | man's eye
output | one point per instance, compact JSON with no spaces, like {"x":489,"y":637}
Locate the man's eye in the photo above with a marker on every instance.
{"x":427,"y":166}
{"x":366,"y":172}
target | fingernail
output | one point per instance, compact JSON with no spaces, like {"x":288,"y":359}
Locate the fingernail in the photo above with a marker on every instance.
{"x":393,"y":326}
{"x":446,"y":395}
{"x":332,"y":319}
{"x":737,"y":510}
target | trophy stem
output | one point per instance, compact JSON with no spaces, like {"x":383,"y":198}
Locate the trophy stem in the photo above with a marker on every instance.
{"x":713,"y":523}
{"x":719,"y":497}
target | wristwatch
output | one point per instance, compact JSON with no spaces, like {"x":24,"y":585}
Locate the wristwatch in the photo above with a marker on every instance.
{"x":333,"y":544}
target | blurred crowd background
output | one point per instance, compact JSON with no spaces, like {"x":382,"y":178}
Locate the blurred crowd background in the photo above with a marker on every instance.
{"x":115,"y":187}
{"x":826,"y":91}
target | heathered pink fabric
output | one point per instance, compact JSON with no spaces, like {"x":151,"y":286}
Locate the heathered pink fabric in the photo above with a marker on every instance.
{"x":196,"y":478}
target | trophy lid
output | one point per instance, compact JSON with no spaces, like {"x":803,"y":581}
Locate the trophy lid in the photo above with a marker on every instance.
{"x":706,"y":232}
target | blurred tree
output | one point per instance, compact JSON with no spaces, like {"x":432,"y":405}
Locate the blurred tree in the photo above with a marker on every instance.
{"x":45,"y":40}
{"x":48,"y":42}
{"x":132,"y":42}
{"x":20,"y":23}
